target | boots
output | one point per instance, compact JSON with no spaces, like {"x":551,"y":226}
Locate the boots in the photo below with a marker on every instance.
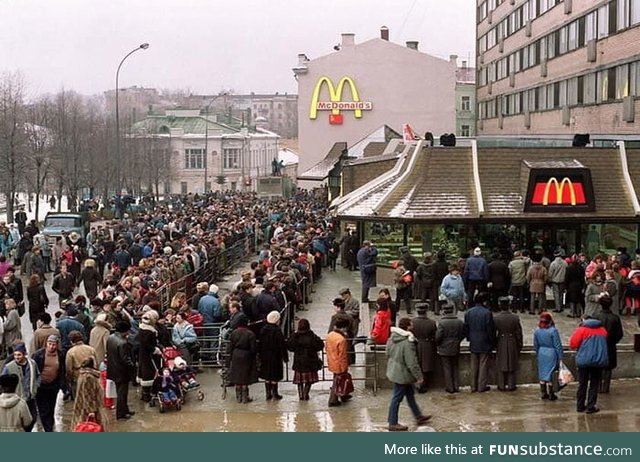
{"x":267,"y":389}
{"x":239,"y":393}
{"x":307,"y":389}
{"x":552,"y":395}
{"x":245,"y":394}
{"x":544,"y":391}
{"x":301,"y":392}
{"x":146,"y":394}
{"x":274,"y":388}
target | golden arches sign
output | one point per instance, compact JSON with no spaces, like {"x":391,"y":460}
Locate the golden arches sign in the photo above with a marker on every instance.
{"x":559,"y":190}
{"x":335,"y":103}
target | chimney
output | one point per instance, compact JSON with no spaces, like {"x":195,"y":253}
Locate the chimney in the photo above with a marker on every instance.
{"x":384,"y":33}
{"x":413,"y":44}
{"x":453,"y":59}
{"x":464,"y":64}
{"x":348,"y":40}
{"x":302,"y":60}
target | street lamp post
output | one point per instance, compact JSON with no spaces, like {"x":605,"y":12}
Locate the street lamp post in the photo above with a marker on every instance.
{"x":206,"y":137}
{"x":143,"y":46}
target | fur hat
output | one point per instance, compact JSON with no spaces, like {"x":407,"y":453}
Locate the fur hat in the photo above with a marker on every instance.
{"x":273,"y":317}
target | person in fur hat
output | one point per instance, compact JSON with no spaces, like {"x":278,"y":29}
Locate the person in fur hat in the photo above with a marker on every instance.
{"x":148,"y":353}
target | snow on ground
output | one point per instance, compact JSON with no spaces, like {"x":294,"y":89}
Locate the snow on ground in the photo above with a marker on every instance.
{"x":44,"y":208}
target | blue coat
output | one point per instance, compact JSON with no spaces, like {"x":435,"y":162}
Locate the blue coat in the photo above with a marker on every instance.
{"x":479,"y":329}
{"x":210,"y":309}
{"x":66,"y":326}
{"x":548,"y":347}
{"x":367,"y":262}
{"x":476,"y":269}
{"x":452,"y":287}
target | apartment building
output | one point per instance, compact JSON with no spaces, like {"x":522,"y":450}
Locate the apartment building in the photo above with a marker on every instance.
{"x":558,"y":67}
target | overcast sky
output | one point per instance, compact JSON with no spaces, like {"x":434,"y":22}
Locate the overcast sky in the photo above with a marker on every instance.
{"x":208,"y":45}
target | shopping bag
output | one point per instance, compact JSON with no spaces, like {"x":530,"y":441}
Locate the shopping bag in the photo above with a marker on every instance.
{"x":110,"y":389}
{"x":565,"y":377}
{"x":344,"y":384}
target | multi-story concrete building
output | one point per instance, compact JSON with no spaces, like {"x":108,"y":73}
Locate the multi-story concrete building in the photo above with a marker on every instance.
{"x":558,"y":67}
{"x":348,"y":94}
{"x":465,"y":100}
{"x":204,"y":150}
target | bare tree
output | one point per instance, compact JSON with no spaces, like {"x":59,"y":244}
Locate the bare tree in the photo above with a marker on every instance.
{"x":12,"y":136}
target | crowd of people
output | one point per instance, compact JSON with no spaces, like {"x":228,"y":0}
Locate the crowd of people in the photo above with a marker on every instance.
{"x":123,"y":325}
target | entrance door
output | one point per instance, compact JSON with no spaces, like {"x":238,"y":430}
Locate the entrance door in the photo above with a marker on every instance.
{"x":553,"y":237}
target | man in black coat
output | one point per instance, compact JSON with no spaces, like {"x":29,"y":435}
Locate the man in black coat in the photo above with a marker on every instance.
{"x":449,"y":334}
{"x":21,"y":219}
{"x":508,"y":346}
{"x":424,"y":330}
{"x":499,"y":280}
{"x":613,"y":326}
{"x":480,"y":330}
{"x":121,"y":368}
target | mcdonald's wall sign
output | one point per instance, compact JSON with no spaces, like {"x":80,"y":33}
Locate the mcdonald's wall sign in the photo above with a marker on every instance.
{"x":335,"y":104}
{"x":564,"y":190}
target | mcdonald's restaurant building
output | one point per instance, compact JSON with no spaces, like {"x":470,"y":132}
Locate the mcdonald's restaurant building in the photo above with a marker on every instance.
{"x":454,"y":199}
{"x":351,"y":92}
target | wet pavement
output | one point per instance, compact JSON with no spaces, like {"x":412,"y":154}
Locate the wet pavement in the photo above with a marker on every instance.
{"x":521,"y":410}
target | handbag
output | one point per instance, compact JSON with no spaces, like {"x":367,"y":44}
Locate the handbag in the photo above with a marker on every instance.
{"x":110,"y":389}
{"x":343,"y":384}
{"x":89,"y":426}
{"x":565,"y":376}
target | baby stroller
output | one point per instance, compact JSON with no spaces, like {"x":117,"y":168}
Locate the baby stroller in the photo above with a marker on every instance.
{"x":166,"y":390}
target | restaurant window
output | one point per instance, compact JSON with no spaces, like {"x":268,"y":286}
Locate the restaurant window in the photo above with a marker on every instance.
{"x":606,"y":238}
{"x":387,"y":237}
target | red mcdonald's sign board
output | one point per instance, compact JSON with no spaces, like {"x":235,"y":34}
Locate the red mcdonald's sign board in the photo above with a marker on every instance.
{"x":562,"y":190}
{"x":558,"y":192}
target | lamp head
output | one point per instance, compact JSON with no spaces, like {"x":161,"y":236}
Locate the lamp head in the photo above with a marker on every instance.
{"x":144,"y":46}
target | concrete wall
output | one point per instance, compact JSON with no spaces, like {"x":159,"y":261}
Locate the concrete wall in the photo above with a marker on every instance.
{"x":404,"y":85}
{"x":628,"y":367}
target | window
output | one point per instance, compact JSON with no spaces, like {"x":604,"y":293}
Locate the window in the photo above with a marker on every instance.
{"x":622,"y":81}
{"x":563,"y":40}
{"x":572,"y":32}
{"x":194,"y":159}
{"x":552,"y":40}
{"x":635,"y":78}
{"x":231,"y":158}
{"x":184,"y":187}
{"x":623,"y":14}
{"x":572,"y":91}
{"x":635,"y":12}
{"x":590,"y":88}
{"x":603,"y":21}
{"x":466,"y":103}
{"x":607,"y":85}
{"x":562,"y":91}
{"x":591,"y":24}
{"x":465,"y":130}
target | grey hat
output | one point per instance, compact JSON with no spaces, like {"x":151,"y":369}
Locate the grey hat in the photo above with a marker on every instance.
{"x":421,"y":308}
{"x":53,"y":339}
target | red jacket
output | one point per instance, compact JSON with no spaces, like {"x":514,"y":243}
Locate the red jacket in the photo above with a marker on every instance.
{"x":381,"y":327}
{"x":590,"y":339}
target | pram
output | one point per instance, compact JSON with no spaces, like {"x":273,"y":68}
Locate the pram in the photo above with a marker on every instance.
{"x":181,"y":377}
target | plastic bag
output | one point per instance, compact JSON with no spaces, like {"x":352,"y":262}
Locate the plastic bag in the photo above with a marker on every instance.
{"x":565,"y":376}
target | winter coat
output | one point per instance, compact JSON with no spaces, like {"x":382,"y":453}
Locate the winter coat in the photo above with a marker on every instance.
{"x":449,"y":334}
{"x":613,"y":326}
{"x":98,"y":340}
{"x":272,"y":350}
{"x":39,"y":357}
{"x":424,"y":331}
{"x":509,"y":341}
{"x":381,"y":329}
{"x":537,"y":278}
{"x":265,"y":304}
{"x":476,"y":269}
{"x":591,"y":297}
{"x":147,"y":366}
{"x":242,"y":356}
{"x":342,"y":315}
{"x":367,"y":263}
{"x":402,"y":364}
{"x":41,"y":335}
{"x":590,"y":339}
{"x":92,"y":280}
{"x":67,"y":325}
{"x":337,"y":357}
{"x":548,"y":348}
{"x":479,"y":329}
{"x":423,"y":281}
{"x":305,"y":347}
{"x":499,"y":275}
{"x":14,"y":413}
{"x":518,"y":269}
{"x":63,"y":285}
{"x":574,"y":282}
{"x":120,"y":367}
{"x":210,"y":309}
{"x":452,"y":287}
{"x":89,"y":398}
{"x":183,"y":335}
{"x":12,"y":328}
{"x":76,"y":356}
{"x":38,"y":301}
{"x":29,"y":381}
{"x":558,"y":271}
